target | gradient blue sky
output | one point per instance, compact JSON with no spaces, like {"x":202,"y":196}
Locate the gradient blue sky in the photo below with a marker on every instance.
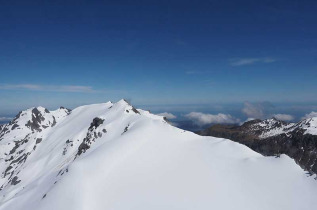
{"x":157,"y":53}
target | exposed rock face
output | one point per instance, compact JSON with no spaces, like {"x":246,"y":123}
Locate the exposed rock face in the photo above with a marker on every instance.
{"x":91,"y":136}
{"x":273,"y":137}
{"x":19,"y":139}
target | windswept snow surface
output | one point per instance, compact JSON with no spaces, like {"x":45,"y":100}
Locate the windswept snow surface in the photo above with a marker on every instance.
{"x":112,"y":156}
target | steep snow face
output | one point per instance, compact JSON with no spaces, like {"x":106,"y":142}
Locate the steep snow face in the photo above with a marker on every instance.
{"x":113,"y":156}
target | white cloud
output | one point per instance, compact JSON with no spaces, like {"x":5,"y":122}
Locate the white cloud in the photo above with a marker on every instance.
{"x":2,"y":119}
{"x":74,"y":88}
{"x":263,"y":110}
{"x":203,"y":119}
{"x":167,"y":115}
{"x":247,"y":120}
{"x":310,"y":115}
{"x":283,"y":117}
{"x":53,"y":88}
{"x":249,"y":61}
{"x":258,"y":110}
{"x":253,"y":110}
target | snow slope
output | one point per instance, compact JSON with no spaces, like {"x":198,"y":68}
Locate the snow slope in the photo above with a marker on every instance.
{"x":112,"y":156}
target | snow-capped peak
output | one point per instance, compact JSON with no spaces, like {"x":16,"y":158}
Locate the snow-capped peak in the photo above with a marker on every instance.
{"x":113,"y":156}
{"x":272,"y":127}
{"x":309,"y":125}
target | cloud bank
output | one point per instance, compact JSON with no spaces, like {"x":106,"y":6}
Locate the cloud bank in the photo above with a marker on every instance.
{"x":52,"y":88}
{"x":200,"y":118}
{"x":253,"y":110}
{"x":258,"y":110}
{"x":310,"y":115}
{"x":283,"y":117}
{"x":3,"y":119}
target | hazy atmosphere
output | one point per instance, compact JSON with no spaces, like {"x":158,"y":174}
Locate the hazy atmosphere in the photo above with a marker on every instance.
{"x":246,"y":59}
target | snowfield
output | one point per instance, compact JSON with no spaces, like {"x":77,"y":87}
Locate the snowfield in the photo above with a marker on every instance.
{"x":112,"y":156}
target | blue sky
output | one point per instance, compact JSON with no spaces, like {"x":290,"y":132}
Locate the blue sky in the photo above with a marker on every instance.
{"x":158,"y":53}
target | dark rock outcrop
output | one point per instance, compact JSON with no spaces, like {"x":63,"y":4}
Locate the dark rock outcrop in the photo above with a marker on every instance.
{"x":262,"y":137}
{"x":91,"y":136}
{"x":37,"y":118}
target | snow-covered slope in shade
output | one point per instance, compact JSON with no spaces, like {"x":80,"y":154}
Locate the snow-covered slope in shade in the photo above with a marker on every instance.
{"x":112,"y":156}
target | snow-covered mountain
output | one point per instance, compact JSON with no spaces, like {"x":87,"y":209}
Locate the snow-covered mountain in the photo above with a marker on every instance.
{"x":273,"y":127}
{"x":113,"y":156}
{"x":275,"y":137}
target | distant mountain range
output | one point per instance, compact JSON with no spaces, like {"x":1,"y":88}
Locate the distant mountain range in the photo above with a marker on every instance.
{"x":272,"y":137}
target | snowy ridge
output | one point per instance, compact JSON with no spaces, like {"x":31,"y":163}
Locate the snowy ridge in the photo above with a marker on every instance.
{"x":309,"y":125}
{"x":273,"y":127}
{"x":113,"y":156}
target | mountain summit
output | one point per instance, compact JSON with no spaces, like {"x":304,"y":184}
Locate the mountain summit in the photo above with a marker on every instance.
{"x":113,"y":156}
